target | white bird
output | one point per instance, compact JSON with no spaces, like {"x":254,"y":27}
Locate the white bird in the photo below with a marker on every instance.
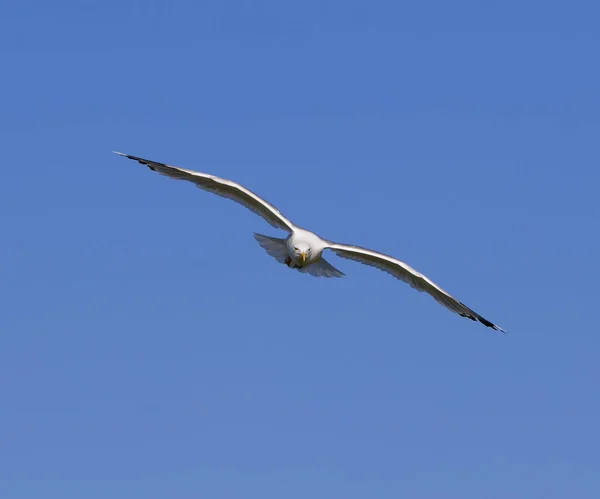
{"x":302,"y":249}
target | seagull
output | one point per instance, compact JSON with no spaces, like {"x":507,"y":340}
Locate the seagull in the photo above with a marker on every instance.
{"x":302,"y":249}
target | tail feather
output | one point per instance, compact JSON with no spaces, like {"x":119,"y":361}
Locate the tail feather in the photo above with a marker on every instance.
{"x":322,"y":268}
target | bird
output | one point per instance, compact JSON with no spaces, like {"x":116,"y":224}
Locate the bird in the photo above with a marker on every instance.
{"x":302,"y":249}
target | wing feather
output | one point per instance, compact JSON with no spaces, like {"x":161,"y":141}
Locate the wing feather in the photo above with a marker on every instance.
{"x":406,"y":273}
{"x":221,"y":187}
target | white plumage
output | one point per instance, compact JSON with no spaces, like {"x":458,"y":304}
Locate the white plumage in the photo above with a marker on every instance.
{"x":303,"y":249}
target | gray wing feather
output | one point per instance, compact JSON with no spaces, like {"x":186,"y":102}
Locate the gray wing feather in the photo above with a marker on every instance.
{"x":274,"y":246}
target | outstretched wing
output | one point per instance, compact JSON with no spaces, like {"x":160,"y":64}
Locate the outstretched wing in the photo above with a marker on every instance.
{"x":221,"y":187}
{"x":404,"y":272}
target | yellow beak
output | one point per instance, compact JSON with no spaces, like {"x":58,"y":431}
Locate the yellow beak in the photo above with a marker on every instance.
{"x":303,"y":255}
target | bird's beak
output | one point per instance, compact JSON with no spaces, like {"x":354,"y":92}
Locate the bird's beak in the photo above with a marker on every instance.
{"x":303,"y":255}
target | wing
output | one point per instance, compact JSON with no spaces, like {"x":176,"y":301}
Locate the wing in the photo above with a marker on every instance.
{"x":274,"y":246}
{"x":418,"y":281}
{"x":221,"y":187}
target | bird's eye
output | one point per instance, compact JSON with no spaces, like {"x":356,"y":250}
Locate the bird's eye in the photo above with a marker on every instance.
{"x":295,"y":248}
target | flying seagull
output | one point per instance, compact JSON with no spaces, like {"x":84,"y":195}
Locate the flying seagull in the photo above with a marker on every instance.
{"x":302,"y":249}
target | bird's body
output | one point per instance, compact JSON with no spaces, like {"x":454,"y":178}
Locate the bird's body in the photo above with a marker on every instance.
{"x":302,"y":249}
{"x":306,"y":242}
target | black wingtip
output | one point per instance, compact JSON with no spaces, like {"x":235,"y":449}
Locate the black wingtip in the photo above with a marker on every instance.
{"x":141,"y":161}
{"x":129,"y":156}
{"x":487,"y":323}
{"x":476,"y":317}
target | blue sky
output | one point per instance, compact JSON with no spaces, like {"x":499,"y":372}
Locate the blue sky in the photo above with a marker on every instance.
{"x":151,"y":349}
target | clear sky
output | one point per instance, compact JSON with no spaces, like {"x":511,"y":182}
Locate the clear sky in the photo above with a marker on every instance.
{"x":151,"y":349}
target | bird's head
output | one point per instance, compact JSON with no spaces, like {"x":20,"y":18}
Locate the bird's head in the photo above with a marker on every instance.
{"x":302,"y":252}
